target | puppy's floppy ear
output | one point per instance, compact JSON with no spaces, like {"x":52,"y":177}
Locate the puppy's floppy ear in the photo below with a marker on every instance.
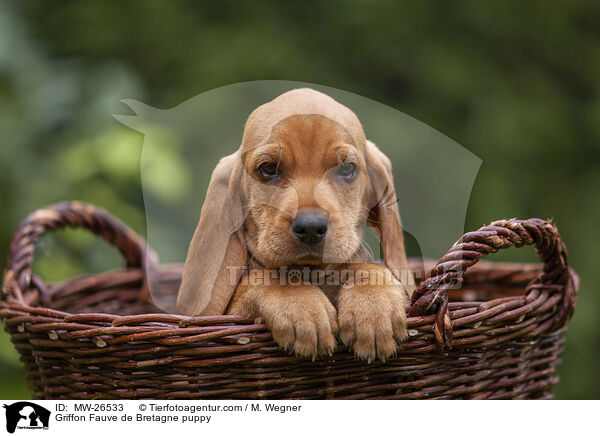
{"x":383,"y":213}
{"x":218,"y":250}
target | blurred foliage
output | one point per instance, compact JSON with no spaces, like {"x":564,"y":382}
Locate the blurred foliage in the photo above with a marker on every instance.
{"x":514,"y":82}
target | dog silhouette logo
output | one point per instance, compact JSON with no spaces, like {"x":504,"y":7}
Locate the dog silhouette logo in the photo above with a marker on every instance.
{"x":433,"y":175}
{"x":26,"y":415}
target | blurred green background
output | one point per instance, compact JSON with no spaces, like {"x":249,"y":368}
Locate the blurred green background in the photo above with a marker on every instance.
{"x":516,"y":83}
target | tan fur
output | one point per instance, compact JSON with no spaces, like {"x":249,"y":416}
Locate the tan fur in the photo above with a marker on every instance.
{"x":245,"y":220}
{"x":301,"y":318}
{"x":372,"y":318}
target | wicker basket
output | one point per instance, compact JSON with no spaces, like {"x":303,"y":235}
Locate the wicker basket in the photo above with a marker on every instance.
{"x":494,"y":331}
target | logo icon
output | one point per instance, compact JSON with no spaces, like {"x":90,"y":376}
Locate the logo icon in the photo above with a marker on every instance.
{"x":26,"y":415}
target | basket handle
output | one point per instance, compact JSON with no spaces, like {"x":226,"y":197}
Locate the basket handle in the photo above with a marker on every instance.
{"x":431,"y":296}
{"x":68,"y":214}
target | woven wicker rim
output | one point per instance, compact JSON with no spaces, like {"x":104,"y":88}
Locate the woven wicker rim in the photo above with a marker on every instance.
{"x":430,"y":303}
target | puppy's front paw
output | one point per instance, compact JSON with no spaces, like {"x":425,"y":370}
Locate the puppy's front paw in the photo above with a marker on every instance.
{"x":301,"y":319}
{"x":372,"y":318}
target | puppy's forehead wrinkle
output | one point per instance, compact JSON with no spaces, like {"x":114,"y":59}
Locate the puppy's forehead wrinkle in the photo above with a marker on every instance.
{"x":263,"y":120}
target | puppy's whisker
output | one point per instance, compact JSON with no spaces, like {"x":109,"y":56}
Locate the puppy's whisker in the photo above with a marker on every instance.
{"x":367,"y":248}
{"x":389,"y":202}
{"x":364,"y":252}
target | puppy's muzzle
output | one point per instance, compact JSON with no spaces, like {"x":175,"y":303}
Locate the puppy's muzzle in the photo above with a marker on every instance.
{"x":310,"y":226}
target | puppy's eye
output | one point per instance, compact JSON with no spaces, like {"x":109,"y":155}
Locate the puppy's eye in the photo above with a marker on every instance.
{"x":347,"y":171}
{"x":268,"y":170}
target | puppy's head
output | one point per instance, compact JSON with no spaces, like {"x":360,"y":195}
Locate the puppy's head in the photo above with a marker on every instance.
{"x":306,"y":189}
{"x":299,"y":190}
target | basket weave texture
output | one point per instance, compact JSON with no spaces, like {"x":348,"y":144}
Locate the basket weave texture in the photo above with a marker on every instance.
{"x":482,"y":330}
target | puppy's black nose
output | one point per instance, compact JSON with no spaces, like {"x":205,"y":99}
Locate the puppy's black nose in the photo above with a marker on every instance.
{"x":310,"y":226}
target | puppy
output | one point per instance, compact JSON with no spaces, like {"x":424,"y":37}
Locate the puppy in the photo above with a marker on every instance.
{"x":293,"y":200}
